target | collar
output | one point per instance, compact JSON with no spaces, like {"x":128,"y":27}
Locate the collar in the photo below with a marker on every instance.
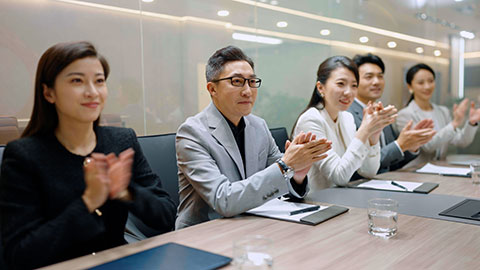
{"x":360,"y":103}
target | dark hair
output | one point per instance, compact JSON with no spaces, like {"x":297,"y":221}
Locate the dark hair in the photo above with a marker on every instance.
{"x":44,"y":118}
{"x":411,"y":74}
{"x":369,"y":58}
{"x":323,"y":73}
{"x":221,"y":57}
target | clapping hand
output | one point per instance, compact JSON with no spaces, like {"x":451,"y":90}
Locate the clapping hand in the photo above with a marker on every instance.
{"x":459,"y":111}
{"x":107,"y":176}
{"x":474,"y":114}
{"x":303,"y":151}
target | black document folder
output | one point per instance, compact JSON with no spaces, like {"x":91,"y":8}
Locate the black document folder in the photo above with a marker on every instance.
{"x":170,"y":256}
{"x":467,"y":209}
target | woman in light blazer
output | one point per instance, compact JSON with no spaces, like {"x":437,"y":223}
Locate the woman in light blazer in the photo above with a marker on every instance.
{"x":326,"y":117}
{"x":421,"y":84}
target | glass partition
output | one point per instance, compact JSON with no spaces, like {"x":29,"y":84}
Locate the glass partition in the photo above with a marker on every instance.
{"x":157,"y":50}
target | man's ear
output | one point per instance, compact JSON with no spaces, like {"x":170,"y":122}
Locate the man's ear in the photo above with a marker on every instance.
{"x":48,"y":94}
{"x":212,"y":88}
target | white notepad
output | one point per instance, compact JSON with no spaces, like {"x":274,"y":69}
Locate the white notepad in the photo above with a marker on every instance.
{"x":280,"y":209}
{"x":443,"y":170}
{"x":387,"y":185}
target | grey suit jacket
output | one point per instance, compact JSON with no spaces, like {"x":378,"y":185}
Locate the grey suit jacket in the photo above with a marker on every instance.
{"x":212,"y":180}
{"x":390,"y":156}
{"x":437,"y":147}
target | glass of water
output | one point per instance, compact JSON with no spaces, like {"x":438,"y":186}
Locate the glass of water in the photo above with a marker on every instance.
{"x":253,"y":252}
{"x":382,"y":217}
{"x":475,"y":170}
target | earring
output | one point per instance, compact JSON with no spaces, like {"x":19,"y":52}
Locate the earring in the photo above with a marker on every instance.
{"x":410,"y":91}
{"x":322,"y":95}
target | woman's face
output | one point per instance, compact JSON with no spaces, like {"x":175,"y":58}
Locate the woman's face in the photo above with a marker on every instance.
{"x":79,"y":92}
{"x":422,"y":85}
{"x":339,"y":90}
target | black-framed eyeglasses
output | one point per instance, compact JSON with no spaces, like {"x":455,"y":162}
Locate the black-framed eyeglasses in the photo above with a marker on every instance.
{"x":240,"y":81}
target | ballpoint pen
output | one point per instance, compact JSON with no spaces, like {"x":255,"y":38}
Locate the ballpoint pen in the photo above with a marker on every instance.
{"x":304,"y":210}
{"x":398,"y":185}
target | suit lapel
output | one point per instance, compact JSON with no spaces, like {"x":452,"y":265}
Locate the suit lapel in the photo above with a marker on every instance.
{"x":357,"y":109}
{"x":251,"y":157}
{"x":222,"y":133}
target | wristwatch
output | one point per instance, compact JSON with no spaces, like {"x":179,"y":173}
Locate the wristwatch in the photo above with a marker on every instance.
{"x":287,"y":171}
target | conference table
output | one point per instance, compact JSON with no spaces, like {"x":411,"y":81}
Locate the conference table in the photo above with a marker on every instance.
{"x":338,"y":243}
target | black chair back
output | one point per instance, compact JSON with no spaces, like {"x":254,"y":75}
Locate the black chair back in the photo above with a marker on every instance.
{"x":2,"y":263}
{"x":281,"y":136}
{"x":2,"y":147}
{"x":159,"y":150}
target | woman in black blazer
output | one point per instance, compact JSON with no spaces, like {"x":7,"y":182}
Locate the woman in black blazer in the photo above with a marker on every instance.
{"x":67,"y":185}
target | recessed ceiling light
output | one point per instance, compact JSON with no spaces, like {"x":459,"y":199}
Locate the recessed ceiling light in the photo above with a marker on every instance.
{"x":437,"y":53}
{"x":325,"y":32}
{"x":363,"y":39}
{"x":223,"y":13}
{"x":392,"y":44}
{"x":273,"y":2}
{"x":148,"y":1}
{"x":282,"y":24}
{"x":466,"y":34}
{"x":419,"y":50}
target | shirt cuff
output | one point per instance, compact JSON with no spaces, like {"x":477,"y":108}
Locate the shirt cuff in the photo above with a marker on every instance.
{"x":298,"y":190}
{"x":400,"y":149}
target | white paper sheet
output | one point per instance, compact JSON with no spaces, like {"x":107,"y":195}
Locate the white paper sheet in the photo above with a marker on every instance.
{"x":277,"y":208}
{"x":387,"y":185}
{"x":443,"y":170}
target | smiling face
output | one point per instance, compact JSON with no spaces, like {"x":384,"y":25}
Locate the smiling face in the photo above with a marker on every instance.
{"x":232,"y":101}
{"x":423,"y":85}
{"x":79,"y":91}
{"x":339,"y":91}
{"x":371,"y":83}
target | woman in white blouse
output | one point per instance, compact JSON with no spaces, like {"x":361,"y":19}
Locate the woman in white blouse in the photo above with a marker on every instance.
{"x":421,"y":84}
{"x":326,"y":117}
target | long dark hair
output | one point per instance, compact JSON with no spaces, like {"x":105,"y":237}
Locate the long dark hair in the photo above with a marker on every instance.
{"x":323,"y":73}
{"x":411,"y":74}
{"x":44,"y":118}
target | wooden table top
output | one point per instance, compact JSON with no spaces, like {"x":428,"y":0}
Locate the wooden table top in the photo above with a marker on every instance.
{"x":339,"y":243}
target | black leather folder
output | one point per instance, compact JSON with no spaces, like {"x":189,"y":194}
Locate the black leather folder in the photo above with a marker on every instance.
{"x":467,"y":209}
{"x":323,"y":215}
{"x":170,"y":256}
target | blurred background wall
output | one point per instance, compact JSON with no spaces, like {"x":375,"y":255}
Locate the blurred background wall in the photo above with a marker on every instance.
{"x":157,"y":50}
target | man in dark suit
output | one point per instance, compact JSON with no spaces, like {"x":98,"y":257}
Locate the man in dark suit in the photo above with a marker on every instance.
{"x":397,"y":149}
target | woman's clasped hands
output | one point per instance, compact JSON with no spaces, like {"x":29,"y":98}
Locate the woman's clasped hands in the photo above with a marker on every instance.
{"x":107,"y":177}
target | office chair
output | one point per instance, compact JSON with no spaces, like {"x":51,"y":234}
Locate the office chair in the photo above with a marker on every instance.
{"x":159,"y":150}
{"x":8,"y":129}
{"x":281,"y":136}
{"x":2,"y":263}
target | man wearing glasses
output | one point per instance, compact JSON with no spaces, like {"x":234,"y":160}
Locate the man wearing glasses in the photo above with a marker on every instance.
{"x":227,"y":159}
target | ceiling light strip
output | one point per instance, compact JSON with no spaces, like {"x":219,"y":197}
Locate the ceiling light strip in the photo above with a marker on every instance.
{"x":348,"y":24}
{"x":346,"y":45}
{"x":470,"y":55}
{"x":95,"y":5}
{"x":327,"y":42}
